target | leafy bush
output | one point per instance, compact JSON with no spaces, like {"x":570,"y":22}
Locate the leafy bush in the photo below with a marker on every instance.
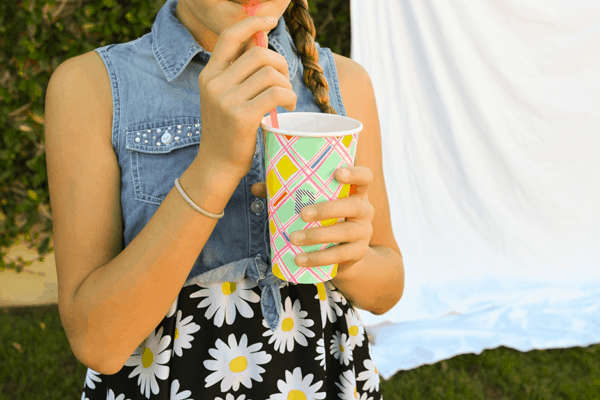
{"x":35,"y":38}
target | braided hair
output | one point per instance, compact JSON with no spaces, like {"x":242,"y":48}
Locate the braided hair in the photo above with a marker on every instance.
{"x":302,"y":30}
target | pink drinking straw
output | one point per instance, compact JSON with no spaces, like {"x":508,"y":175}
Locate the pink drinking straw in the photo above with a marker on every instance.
{"x":251,"y":7}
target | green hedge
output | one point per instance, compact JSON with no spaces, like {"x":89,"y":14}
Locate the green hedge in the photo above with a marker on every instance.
{"x":35,"y":38}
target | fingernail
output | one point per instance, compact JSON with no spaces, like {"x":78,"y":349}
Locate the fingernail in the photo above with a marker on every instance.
{"x":343,"y":173}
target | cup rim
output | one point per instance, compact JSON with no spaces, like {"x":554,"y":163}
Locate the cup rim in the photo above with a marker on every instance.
{"x":283,"y":116}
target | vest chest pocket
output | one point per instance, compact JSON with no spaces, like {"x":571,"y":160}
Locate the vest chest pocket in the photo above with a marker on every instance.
{"x":158,"y":154}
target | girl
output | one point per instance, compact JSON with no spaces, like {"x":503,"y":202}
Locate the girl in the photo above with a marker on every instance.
{"x":157,"y":300}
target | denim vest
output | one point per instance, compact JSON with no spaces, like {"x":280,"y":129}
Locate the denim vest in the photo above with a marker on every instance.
{"x":156,"y":134}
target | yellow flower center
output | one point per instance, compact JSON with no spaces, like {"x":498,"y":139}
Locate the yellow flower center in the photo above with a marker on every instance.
{"x":353,"y":330}
{"x":176,"y":333}
{"x":342,"y":348}
{"x":147,"y":358}
{"x":238,"y":364}
{"x":228,"y":287}
{"x":375,"y":369}
{"x":287,"y":324}
{"x":355,"y":393}
{"x":296,"y":395}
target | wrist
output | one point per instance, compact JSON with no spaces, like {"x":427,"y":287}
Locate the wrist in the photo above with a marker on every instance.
{"x":228,"y":174}
{"x":215,"y":167}
{"x":208,"y":186}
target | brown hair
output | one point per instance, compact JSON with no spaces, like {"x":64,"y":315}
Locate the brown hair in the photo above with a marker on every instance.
{"x":302,"y":30}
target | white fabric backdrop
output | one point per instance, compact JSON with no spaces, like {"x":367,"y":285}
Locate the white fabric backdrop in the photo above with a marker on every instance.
{"x":490,"y":119}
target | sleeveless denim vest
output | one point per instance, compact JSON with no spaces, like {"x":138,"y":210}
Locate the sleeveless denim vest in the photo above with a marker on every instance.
{"x":156,"y":134}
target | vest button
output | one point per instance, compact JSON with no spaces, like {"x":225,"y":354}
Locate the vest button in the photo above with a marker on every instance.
{"x":257,"y":206}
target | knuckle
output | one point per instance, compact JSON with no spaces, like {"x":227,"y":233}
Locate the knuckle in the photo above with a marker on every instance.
{"x":366,"y":208}
{"x":360,"y":232}
{"x":280,"y":92}
{"x":227,"y":34}
{"x":271,"y":71}
{"x":370,"y":230}
{"x":211,"y":88}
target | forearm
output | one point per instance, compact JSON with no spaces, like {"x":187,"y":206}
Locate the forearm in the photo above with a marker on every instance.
{"x":375,"y":283}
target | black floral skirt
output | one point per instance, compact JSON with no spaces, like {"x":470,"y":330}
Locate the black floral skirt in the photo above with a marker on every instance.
{"x":215,"y":344}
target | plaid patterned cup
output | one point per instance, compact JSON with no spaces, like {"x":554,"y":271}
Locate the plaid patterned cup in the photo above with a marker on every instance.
{"x":302,"y":157}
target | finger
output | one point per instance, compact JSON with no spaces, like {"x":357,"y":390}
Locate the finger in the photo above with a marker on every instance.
{"x":333,"y":255}
{"x":259,"y":189}
{"x":247,"y":45}
{"x":348,"y":207}
{"x":236,"y":37}
{"x":360,"y":176}
{"x":344,"y":232}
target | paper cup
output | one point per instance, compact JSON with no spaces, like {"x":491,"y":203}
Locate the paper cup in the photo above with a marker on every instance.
{"x":300,"y":161}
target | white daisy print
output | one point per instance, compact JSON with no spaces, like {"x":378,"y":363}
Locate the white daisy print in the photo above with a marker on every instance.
{"x":90,"y":377}
{"x":83,"y":396}
{"x":173,"y":308}
{"x":148,"y":360}
{"x":224,"y":298}
{"x":330,"y":308}
{"x":332,"y":289}
{"x":321,"y":351}
{"x":341,"y":348}
{"x":297,"y":387}
{"x":365,"y":396}
{"x":183,"y":333}
{"x":370,"y":376}
{"x":356,"y":330}
{"x":292,"y":327}
{"x":111,"y":396}
{"x":235,"y":364}
{"x":230,"y":397}
{"x":185,"y":395}
{"x":348,"y":385}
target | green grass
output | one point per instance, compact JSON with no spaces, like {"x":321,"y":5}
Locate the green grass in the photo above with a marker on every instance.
{"x":37,"y":363}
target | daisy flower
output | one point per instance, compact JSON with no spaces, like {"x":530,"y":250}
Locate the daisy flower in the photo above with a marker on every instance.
{"x":148,"y":360}
{"x":224,"y":298}
{"x":297,"y":387}
{"x":235,"y":364}
{"x":183,"y":333}
{"x":292,"y":327}
{"x":348,"y":385}
{"x":341,"y":348}
{"x":356,"y":330}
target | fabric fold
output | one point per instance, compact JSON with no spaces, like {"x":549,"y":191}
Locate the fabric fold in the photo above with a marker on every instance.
{"x":258,"y":272}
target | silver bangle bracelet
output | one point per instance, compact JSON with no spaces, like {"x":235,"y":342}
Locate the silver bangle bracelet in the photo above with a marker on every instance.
{"x":194,"y":206}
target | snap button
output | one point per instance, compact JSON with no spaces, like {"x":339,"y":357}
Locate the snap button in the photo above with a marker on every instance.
{"x":257,"y":206}
{"x":166,"y":138}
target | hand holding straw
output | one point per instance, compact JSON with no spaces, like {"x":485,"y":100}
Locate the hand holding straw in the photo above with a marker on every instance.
{"x":261,"y":40}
